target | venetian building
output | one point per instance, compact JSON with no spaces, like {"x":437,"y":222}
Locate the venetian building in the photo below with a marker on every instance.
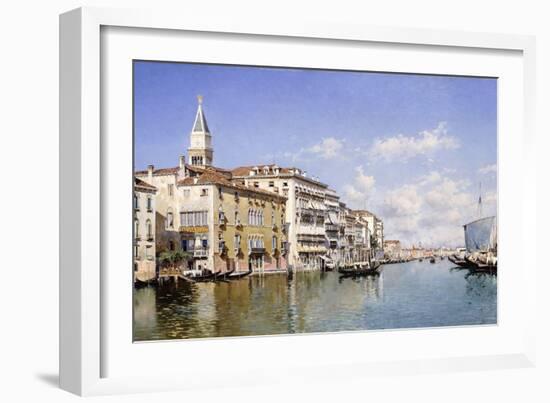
{"x":200,"y":152}
{"x":305,"y":209}
{"x":229,"y":227}
{"x":144,"y":231}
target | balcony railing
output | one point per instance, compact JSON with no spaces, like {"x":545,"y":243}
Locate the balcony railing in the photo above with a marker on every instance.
{"x":200,"y":252}
{"x":257,"y":250}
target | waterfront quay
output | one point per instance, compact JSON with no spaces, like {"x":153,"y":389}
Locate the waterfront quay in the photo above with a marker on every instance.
{"x":405,"y":295}
{"x":197,"y":221}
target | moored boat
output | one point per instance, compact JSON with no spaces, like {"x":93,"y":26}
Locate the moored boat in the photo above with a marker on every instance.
{"x":238,"y":274}
{"x":481,"y":244}
{"x":459,"y":261}
{"x":367,"y":269}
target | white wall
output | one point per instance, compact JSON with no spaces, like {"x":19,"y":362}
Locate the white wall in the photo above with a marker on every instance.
{"x":29,"y":122}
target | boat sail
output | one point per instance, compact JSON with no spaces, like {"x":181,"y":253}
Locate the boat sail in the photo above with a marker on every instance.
{"x":481,"y":235}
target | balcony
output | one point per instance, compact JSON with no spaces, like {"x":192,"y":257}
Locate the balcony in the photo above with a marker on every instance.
{"x":150,"y":258}
{"x":200,"y":229}
{"x":274,"y":227}
{"x":200,"y":252}
{"x":257,"y":250}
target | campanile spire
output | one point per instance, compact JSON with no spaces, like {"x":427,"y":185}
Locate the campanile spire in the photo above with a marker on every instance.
{"x":200,"y":150}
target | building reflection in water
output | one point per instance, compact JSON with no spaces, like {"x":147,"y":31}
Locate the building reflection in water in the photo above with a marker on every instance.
{"x":408,"y":295}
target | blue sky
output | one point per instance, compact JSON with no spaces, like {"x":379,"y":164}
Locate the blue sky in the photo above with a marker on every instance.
{"x":412,"y":148}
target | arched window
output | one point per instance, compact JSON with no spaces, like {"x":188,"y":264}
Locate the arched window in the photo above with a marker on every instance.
{"x":170,"y":219}
{"x":136,"y":201}
{"x":149,"y":203}
{"x":149,"y":228}
{"x":236,"y":218}
{"x":136,"y":228}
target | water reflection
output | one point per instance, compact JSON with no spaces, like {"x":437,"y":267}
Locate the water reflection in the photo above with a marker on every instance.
{"x":416,"y":294}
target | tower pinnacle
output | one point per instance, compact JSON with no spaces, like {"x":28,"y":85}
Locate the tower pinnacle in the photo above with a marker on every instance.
{"x":200,"y":151}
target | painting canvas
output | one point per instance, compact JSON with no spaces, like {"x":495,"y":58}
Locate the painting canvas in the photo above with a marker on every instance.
{"x":273,"y":200}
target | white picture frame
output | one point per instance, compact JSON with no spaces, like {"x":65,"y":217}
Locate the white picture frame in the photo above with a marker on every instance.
{"x":85,"y":344}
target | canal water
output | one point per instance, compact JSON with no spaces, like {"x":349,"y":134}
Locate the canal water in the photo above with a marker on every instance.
{"x":406,"y":295}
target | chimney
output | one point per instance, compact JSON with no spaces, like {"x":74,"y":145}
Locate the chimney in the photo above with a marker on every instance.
{"x":182,"y":161}
{"x":150,"y":169}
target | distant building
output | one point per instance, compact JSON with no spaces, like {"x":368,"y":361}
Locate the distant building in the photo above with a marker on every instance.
{"x":392,"y":249}
{"x":144,"y":231}
{"x":376,"y":229}
{"x":335,"y":224}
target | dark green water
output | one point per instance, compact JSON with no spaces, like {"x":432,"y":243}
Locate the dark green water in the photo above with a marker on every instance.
{"x":407,"y":295}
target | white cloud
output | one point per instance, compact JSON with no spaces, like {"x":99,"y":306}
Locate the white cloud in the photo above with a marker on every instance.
{"x":364,"y":182}
{"x":429,"y":210}
{"x":403,"y":201}
{"x":488,"y":169}
{"x":405,"y":148}
{"x":359,"y":192}
{"x":328,"y":148}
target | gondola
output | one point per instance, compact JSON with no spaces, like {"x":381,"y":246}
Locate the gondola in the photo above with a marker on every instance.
{"x":432,"y":259}
{"x":480,"y":266}
{"x":460,"y":262}
{"x":223,"y":276}
{"x":239,"y":274}
{"x":362,"y":271}
{"x":200,"y":278}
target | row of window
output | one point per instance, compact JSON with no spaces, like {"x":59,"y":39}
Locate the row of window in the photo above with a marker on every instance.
{"x":148,"y":252}
{"x":254,"y":242}
{"x":194,"y":218}
{"x":149,"y":202}
{"x":200,"y":218}
{"x":148,"y":228}
{"x":255,"y":217}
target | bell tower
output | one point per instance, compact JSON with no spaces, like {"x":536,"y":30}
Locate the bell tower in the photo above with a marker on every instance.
{"x":200,"y":150}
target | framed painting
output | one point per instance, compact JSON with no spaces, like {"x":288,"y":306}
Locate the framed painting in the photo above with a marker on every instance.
{"x":238,"y":195}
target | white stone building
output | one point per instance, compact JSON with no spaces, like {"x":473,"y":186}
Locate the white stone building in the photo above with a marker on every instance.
{"x":144,"y":247}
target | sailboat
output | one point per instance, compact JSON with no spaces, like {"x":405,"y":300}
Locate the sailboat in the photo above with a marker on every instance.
{"x":480,"y":237}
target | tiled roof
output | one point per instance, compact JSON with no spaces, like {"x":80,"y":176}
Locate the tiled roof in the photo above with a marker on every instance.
{"x":160,"y":171}
{"x":212,"y":177}
{"x":144,"y":185}
{"x":174,"y":170}
{"x":245,"y":170}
